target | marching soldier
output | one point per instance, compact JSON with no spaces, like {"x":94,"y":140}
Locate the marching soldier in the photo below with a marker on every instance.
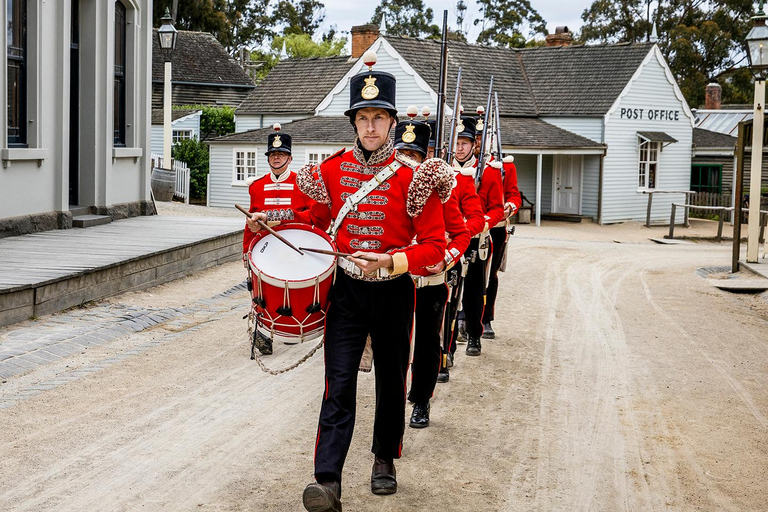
{"x":490,"y":192}
{"x":499,"y":236}
{"x":411,"y":139}
{"x":394,"y":203}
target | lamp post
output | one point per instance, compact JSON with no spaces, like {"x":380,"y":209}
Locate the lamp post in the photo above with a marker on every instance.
{"x":167,"y":35}
{"x":757,"y":54}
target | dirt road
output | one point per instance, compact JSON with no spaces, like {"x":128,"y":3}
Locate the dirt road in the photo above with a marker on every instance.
{"x":620,"y":381}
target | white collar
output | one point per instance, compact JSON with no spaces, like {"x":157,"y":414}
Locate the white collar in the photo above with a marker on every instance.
{"x":281,"y":178}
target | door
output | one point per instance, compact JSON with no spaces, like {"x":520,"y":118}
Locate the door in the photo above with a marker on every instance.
{"x":567,"y":184}
{"x":74,"y":107}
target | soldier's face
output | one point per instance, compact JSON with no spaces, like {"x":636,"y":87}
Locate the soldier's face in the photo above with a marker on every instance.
{"x":278,"y":161}
{"x":464,"y":148}
{"x":373,"y":126}
{"x":412,"y":154}
{"x":430,"y":152}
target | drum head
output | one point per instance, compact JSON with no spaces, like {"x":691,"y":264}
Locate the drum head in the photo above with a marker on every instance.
{"x":275,"y":259}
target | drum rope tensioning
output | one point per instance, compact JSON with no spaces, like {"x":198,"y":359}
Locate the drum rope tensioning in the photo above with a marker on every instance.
{"x":256,"y":356}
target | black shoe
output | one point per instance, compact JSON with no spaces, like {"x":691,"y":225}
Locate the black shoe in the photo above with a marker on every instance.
{"x":322,"y":497}
{"x":443,"y":375}
{"x":449,"y":361}
{"x":383,"y":477}
{"x":420,"y":416}
{"x":262,"y":343}
{"x":488,"y":333}
{"x":462,"y":327}
{"x":473,"y":346}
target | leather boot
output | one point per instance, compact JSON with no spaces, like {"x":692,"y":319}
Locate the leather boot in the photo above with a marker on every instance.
{"x":323,"y":497}
{"x":383,"y":477}
{"x":473,"y":346}
{"x":443,"y":375}
{"x":488,"y":332}
{"x":462,"y":336}
{"x":420,"y":416}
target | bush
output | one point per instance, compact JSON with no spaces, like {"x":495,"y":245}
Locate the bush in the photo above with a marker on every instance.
{"x":194,"y":153}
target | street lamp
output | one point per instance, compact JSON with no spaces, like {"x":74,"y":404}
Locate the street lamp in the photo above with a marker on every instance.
{"x":757,"y":54}
{"x":167,"y":36}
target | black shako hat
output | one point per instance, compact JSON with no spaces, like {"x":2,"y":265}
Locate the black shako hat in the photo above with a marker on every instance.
{"x":433,"y":132}
{"x":413,"y":134}
{"x":467,"y":127}
{"x":371,"y":89}
{"x":278,"y":141}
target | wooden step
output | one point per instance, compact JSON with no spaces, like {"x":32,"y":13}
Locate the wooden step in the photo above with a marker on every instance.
{"x":90,"y":220}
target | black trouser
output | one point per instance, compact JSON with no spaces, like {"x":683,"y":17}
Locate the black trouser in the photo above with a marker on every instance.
{"x":474,"y":292}
{"x":383,"y":309}
{"x":427,"y":353}
{"x":499,"y":237}
{"x":450,"y":327}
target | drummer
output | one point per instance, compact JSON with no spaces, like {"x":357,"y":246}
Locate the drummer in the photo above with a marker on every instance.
{"x":412,"y":139}
{"x":395,"y":203}
{"x":275,"y":193}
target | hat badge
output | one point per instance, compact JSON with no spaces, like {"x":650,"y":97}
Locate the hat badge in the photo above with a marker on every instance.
{"x":277,"y":142}
{"x":409,"y":135}
{"x":480,"y":113}
{"x":370,"y":91}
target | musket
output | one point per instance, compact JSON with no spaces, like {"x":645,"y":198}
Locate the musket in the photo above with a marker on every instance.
{"x":441,"y":87}
{"x":484,"y":138}
{"x":454,"y":121}
{"x":497,"y":126}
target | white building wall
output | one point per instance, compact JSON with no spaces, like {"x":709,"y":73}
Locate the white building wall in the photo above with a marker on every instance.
{"x":190,"y":122}
{"x":640,"y":108}
{"x":589,"y":127}
{"x":411,"y":90}
{"x":245,"y":122}
{"x":590,"y":186}
{"x":224,"y":192}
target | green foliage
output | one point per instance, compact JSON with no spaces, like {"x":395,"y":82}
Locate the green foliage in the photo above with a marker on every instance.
{"x":296,"y":46}
{"x":406,"y":18}
{"x":216,"y":121}
{"x":508,"y":23}
{"x":700,"y":40}
{"x":194,"y":153}
{"x":299,"y":16}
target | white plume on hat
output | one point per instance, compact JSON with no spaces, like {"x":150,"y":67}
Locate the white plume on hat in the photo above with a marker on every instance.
{"x":276,"y":127}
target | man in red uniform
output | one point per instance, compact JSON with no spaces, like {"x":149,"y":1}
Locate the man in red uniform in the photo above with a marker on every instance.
{"x":490,"y":192}
{"x":499,"y":236}
{"x":394,"y":203}
{"x":412,"y":139}
{"x":275,"y":192}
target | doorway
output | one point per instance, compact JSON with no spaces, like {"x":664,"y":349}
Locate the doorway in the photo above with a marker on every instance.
{"x":567,"y":184}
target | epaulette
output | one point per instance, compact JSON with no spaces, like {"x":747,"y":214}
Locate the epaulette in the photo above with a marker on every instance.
{"x":495,"y":164}
{"x":405,"y":160}
{"x":433,"y":174}
{"x":335,"y":155}
{"x":251,"y":179}
{"x":310,"y":182}
{"x":508,"y":159}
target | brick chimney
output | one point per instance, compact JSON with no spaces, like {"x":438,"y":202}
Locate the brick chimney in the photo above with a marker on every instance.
{"x":363,"y":37}
{"x":561,"y":37}
{"x":714,"y":96}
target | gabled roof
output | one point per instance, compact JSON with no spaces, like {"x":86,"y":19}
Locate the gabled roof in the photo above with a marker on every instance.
{"x":532,"y":133}
{"x":176,"y":113}
{"x":317,"y":129}
{"x":581,"y":79}
{"x":708,"y":139}
{"x":296,"y":85}
{"x":198,"y":58}
{"x":478,"y":63}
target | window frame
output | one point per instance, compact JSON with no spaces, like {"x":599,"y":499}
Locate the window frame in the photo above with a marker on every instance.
{"x":119,"y":93}
{"x":246,"y":174}
{"x":698,"y":168}
{"x":647,"y":166}
{"x":320,"y":152}
{"x":187,"y":131}
{"x":20,"y":57}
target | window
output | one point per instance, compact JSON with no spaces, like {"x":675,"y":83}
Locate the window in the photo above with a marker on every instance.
{"x":179,"y":135}
{"x":118,"y":112}
{"x":245,"y":165}
{"x":315,"y":156}
{"x":649,"y":162}
{"x":17,"y":72}
{"x":707,"y":178}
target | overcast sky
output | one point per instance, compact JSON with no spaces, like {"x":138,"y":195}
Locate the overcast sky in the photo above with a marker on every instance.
{"x":345,"y":13}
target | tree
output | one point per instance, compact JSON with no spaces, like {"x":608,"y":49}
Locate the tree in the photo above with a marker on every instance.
{"x":406,"y":18}
{"x":700,"y":40}
{"x":299,"y":16}
{"x":460,"y":34}
{"x":194,"y":153}
{"x":297,"y":46}
{"x":507,"y":22}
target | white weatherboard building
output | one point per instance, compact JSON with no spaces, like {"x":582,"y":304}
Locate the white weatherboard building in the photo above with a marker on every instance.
{"x":592,"y":128}
{"x":76,"y":133}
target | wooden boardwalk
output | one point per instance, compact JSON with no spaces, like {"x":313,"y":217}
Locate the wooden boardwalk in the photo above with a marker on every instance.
{"x":45,"y":272}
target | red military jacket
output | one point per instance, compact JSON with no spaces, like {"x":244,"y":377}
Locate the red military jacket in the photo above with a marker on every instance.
{"x":490,"y":191}
{"x":469,"y":203}
{"x":276,"y":194}
{"x":456,"y":233}
{"x":512,"y":196}
{"x":387,"y":220}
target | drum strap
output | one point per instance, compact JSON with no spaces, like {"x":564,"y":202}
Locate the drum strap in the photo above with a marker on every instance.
{"x":352,"y":201}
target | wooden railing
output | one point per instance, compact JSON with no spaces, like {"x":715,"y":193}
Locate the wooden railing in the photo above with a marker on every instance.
{"x":650,"y":193}
{"x":710,"y":199}
{"x":182,"y":176}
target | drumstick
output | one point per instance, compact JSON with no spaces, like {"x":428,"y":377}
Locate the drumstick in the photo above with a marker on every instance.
{"x":271,"y":231}
{"x":334,"y":253}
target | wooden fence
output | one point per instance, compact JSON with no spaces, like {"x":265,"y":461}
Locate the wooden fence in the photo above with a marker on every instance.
{"x":709,"y":199}
{"x":182,"y":188}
